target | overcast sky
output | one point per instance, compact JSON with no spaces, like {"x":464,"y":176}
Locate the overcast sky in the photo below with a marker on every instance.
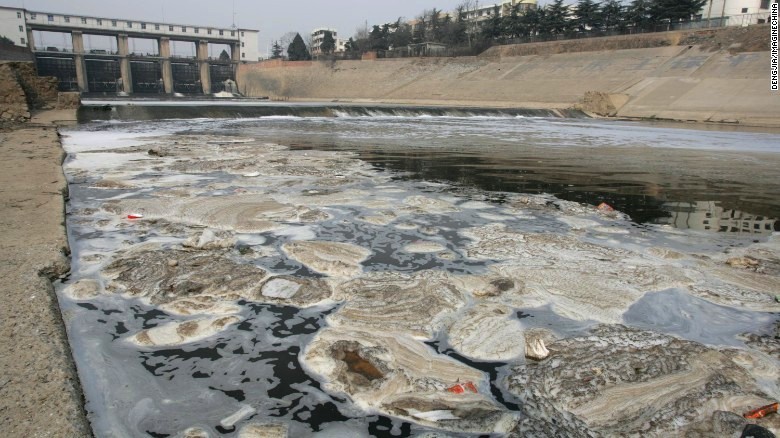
{"x":273,"y":18}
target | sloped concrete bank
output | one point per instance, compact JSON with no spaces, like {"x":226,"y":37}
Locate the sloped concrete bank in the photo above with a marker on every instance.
{"x":40,"y":395}
{"x":705,"y":76}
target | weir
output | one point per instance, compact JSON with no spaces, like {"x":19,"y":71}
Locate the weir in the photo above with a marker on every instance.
{"x":122,"y":69}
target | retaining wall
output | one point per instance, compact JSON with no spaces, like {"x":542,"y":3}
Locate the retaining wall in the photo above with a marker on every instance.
{"x":712,"y":79}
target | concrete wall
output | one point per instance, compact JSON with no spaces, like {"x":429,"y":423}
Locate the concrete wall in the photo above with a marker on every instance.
{"x":665,"y":80}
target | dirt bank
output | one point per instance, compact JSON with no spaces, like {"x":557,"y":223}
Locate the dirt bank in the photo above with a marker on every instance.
{"x":39,"y":390}
{"x":716,"y":76}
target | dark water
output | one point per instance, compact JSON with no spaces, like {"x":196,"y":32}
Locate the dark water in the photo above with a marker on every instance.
{"x":705,"y":181}
{"x":718,"y":181}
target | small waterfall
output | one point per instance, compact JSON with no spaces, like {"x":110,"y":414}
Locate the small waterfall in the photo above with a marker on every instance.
{"x":106,"y":110}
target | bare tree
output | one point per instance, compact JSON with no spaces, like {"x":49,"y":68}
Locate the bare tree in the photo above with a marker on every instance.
{"x":472,"y":26}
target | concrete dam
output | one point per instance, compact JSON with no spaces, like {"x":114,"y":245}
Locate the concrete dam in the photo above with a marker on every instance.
{"x":705,"y":76}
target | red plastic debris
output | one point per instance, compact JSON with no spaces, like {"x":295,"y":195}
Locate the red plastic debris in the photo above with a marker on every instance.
{"x":761,"y":412}
{"x":135,"y":216}
{"x":605,"y":207}
{"x":460,"y":388}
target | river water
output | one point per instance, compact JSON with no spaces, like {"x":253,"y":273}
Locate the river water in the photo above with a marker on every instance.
{"x":431,"y":196}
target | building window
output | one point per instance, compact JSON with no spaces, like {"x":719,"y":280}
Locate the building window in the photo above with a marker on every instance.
{"x":33,"y":17}
{"x":243,"y":55}
{"x":23,"y":43}
{"x":232,"y":33}
{"x":99,"y":22}
{"x":183,"y":29}
{"x":50,"y":17}
{"x":242,"y":43}
{"x":744,"y":10}
{"x":208,"y":31}
{"x":156,"y":27}
{"x":18,"y":15}
{"x":143,"y":25}
{"x":221,"y":32}
{"x":242,"y":33}
{"x":113,"y":23}
{"x":170,"y":28}
{"x":197,"y":30}
{"x":130,"y":24}
{"x":21,"y":29}
{"x":83,"y":20}
{"x":764,"y":4}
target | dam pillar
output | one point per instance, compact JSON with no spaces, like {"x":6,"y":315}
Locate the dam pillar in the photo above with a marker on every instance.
{"x":165,"y":67}
{"x":78,"y":60}
{"x":203,"y":64}
{"x":124,"y":63}
{"x":235,"y":52}
{"x":30,"y":40}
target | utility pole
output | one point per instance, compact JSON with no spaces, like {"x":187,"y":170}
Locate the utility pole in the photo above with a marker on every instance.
{"x":723,"y":13}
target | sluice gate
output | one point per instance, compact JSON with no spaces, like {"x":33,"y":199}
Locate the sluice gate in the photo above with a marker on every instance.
{"x":64,"y":69}
{"x":157,"y":68}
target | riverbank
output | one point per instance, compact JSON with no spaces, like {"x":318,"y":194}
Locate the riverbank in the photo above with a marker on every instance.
{"x":717,"y":76}
{"x":40,"y":395}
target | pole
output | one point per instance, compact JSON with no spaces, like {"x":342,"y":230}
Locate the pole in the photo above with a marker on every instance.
{"x":723,"y":13}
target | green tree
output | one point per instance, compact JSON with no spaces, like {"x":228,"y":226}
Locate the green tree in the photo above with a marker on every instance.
{"x":328,"y":44}
{"x":492,"y":29}
{"x":638,"y":14}
{"x":588,"y":15}
{"x":675,"y":10}
{"x":224,"y":56}
{"x":377,"y":39}
{"x":401,"y":35}
{"x":5,"y":40}
{"x":276,"y":50}
{"x":297,"y":50}
{"x":612,"y":13}
{"x":350,"y":45}
{"x":557,"y":17}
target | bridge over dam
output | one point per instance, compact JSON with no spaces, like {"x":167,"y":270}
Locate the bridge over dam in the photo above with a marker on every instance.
{"x":115,"y":67}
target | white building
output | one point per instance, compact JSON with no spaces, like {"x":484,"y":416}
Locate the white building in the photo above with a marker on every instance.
{"x":486,"y":11}
{"x":738,"y":12}
{"x":318,"y":35}
{"x":13,"y":25}
{"x":710,"y":216}
{"x":16,"y":23}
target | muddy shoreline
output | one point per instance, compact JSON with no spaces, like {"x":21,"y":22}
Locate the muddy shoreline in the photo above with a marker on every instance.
{"x":40,"y":394}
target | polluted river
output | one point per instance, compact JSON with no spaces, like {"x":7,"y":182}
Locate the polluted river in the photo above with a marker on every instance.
{"x":349,"y":271}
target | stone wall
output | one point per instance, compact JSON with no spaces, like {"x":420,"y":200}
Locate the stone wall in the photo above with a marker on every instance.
{"x":23,"y":91}
{"x":13,"y":100}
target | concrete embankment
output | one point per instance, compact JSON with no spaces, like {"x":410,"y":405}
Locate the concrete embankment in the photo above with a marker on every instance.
{"x":714,"y":76}
{"x":40,"y":395}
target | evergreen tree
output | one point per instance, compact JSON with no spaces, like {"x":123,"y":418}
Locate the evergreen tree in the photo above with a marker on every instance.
{"x":588,"y":15}
{"x":297,"y":50}
{"x":224,"y":56}
{"x":612,"y":14}
{"x":276,"y":50}
{"x":328,"y":44}
{"x":401,"y":35}
{"x":377,"y":39}
{"x":557,"y":17}
{"x":675,"y":10}
{"x":350,"y":45}
{"x":638,"y":14}
{"x":492,"y":28}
